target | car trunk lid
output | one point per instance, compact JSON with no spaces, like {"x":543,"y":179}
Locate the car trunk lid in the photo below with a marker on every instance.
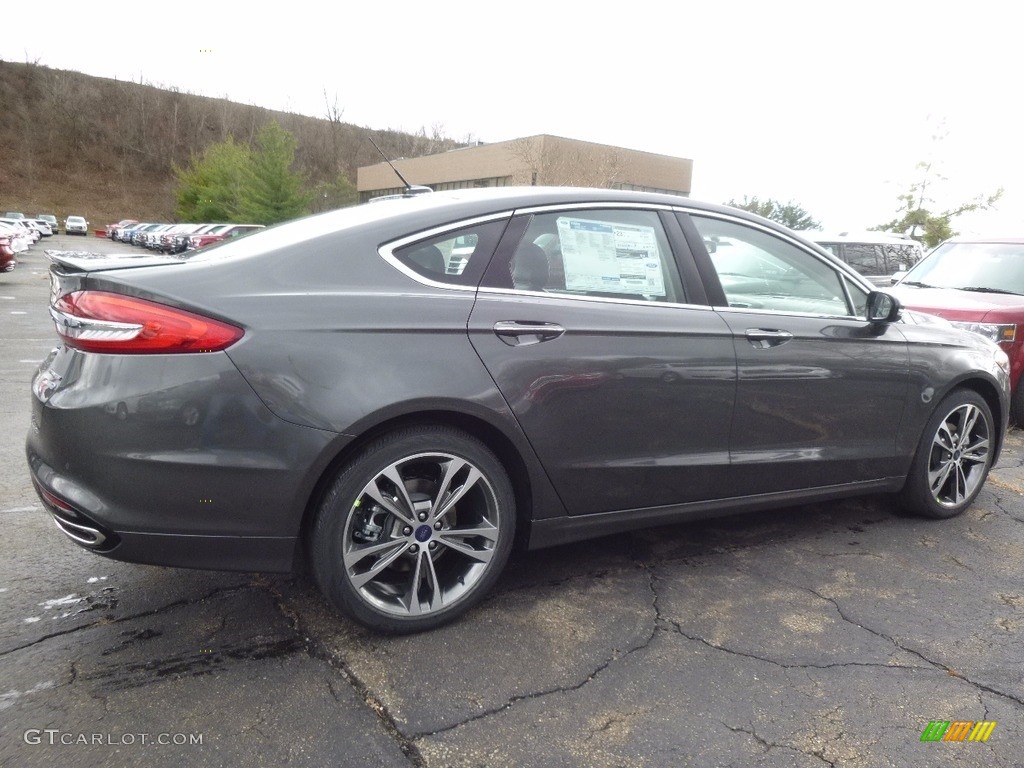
{"x":89,"y":261}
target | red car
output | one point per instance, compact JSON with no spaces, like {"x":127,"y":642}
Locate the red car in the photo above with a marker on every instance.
{"x":220,"y":233}
{"x":7,"y":260}
{"x":112,"y":229}
{"x":978,"y":285}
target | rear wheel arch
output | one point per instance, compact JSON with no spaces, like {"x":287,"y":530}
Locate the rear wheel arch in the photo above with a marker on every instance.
{"x":415,"y":530}
{"x":493,"y":437}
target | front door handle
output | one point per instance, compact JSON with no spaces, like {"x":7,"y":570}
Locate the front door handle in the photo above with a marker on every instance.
{"x":766,"y":338}
{"x":516,"y":333}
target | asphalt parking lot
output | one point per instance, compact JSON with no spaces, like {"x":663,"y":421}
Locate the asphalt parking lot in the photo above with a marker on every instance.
{"x":829,"y":634}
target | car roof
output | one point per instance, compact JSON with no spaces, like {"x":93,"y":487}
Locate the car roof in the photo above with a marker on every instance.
{"x":481,"y":201}
{"x":425,"y":212}
{"x":866,"y":236}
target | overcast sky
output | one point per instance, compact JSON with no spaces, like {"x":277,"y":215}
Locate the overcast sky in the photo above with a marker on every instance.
{"x":829,"y":105}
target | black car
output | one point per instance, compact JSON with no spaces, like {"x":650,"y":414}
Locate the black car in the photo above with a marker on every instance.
{"x":331,"y":390}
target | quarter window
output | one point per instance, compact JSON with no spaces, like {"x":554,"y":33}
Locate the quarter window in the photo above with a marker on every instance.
{"x":458,"y":256}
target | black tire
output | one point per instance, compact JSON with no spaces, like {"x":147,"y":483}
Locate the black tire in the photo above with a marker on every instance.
{"x":953,"y":457}
{"x":410,"y":557}
{"x":1017,"y":404}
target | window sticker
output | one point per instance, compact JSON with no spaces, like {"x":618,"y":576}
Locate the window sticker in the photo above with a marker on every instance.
{"x":611,"y":258}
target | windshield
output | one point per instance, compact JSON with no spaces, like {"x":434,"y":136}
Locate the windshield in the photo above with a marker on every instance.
{"x":998,"y":267}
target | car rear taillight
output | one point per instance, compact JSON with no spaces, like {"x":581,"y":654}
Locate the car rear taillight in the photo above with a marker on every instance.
{"x":99,"y":321}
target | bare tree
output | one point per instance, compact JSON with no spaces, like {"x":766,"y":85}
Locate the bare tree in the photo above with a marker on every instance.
{"x":553,"y":162}
{"x":333,"y":116}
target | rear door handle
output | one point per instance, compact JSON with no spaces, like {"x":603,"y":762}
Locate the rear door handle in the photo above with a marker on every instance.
{"x":516,"y":333}
{"x":766,"y":338}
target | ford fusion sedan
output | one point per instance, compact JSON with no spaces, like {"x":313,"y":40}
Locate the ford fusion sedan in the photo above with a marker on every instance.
{"x":330,"y":391}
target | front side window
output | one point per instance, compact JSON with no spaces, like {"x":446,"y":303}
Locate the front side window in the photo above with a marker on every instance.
{"x":601,"y":253}
{"x":759,"y":270}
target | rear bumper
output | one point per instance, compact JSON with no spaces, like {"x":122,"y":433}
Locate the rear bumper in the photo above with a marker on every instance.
{"x":193,"y":471}
{"x":221,"y":553}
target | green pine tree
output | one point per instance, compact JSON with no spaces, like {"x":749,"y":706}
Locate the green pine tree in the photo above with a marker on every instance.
{"x":273,"y":192}
{"x":210,"y":189}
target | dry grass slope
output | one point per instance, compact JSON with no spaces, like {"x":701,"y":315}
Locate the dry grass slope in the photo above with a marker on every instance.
{"x":105,"y":149}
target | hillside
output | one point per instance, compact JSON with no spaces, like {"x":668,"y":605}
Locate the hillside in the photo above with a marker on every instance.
{"x":105,"y":149}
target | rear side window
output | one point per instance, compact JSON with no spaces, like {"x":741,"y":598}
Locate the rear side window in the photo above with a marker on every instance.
{"x":458,"y":256}
{"x":602,"y":253}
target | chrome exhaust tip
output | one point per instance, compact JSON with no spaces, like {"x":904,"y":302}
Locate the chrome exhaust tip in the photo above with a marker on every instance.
{"x":83,"y":535}
{"x":76,"y":525}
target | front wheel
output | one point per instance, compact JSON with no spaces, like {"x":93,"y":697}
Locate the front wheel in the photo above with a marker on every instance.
{"x":415,"y":530}
{"x":1017,"y":404}
{"x":953,"y":457}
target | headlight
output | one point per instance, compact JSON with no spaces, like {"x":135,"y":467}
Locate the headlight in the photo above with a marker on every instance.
{"x":991,"y":331}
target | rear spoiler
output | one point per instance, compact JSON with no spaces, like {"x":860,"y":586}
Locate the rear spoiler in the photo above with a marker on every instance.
{"x":89,"y":261}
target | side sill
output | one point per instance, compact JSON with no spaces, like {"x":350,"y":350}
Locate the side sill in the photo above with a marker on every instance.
{"x":565,"y":530}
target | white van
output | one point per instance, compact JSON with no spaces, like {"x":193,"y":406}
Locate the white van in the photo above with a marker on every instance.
{"x":881,"y":257}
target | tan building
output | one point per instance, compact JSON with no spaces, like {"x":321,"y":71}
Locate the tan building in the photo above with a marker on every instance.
{"x":534,"y":160}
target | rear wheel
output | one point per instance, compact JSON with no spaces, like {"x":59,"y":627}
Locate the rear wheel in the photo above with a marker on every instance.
{"x":953,"y":457}
{"x":415,"y":530}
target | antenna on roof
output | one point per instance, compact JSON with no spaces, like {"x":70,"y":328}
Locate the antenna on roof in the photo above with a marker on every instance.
{"x":410,"y":189}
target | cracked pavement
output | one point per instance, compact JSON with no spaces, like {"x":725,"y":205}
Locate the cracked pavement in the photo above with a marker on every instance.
{"x":823,"y":635}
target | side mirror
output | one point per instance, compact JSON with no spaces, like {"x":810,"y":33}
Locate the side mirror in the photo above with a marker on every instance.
{"x":882,"y":307}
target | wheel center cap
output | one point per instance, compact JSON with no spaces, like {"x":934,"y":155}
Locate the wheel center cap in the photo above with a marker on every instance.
{"x":423,"y":533}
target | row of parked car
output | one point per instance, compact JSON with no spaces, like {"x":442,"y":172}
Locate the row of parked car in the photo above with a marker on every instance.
{"x":174,"y":238}
{"x":47,"y":224}
{"x":17,"y":234}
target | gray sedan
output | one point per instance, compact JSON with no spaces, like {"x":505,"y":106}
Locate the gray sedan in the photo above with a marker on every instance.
{"x":331,"y":391}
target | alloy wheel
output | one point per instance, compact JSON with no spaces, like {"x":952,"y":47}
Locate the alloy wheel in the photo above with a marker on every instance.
{"x":959,"y":455}
{"x":421,"y":534}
